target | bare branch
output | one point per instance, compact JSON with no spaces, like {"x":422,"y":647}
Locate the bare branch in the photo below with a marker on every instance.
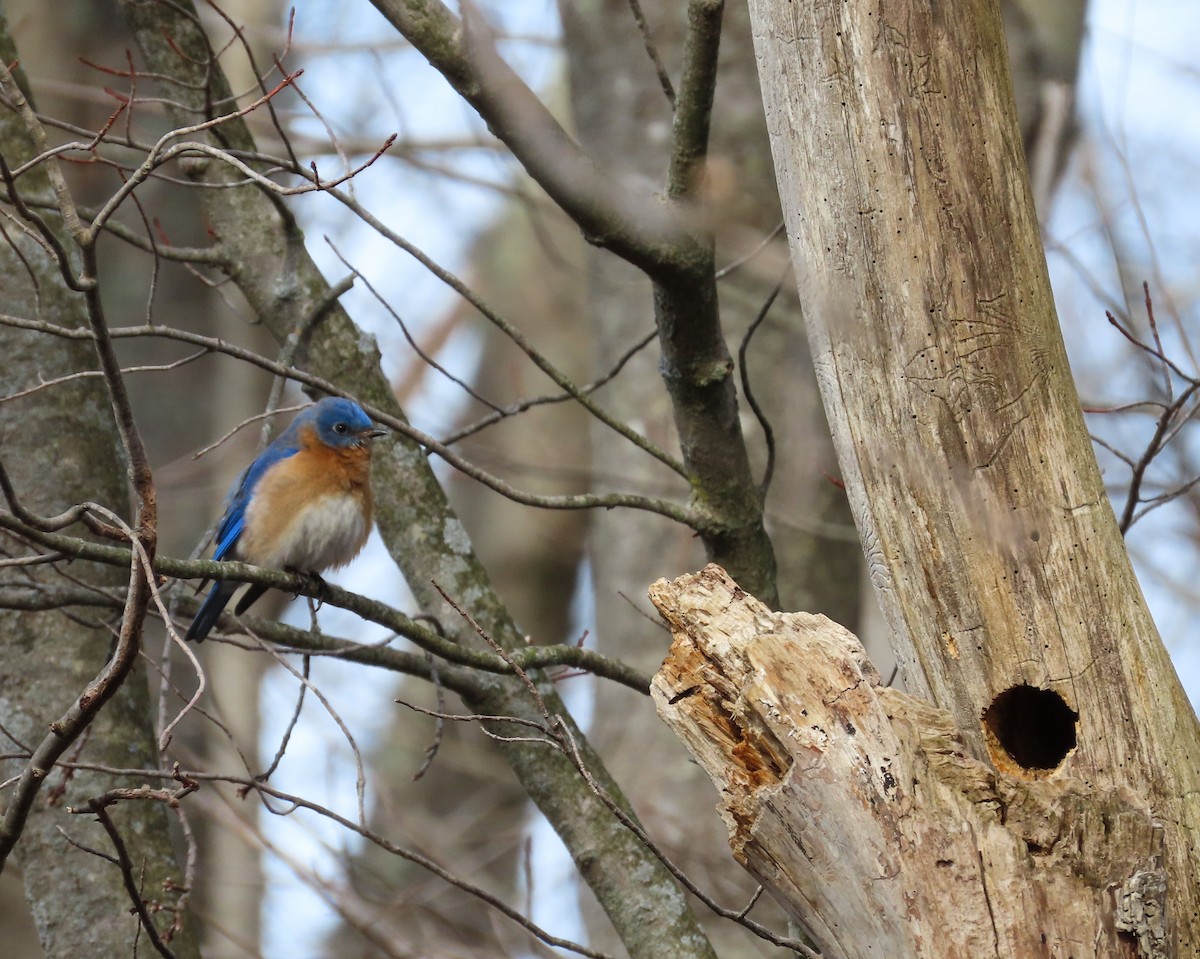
{"x":514,"y":334}
{"x":524,"y":405}
{"x":71,"y":724}
{"x":618,"y":218}
{"x":763,"y":422}
{"x":291,"y":725}
{"x":664,"y":79}
{"x":98,"y":807}
{"x":424,"y":862}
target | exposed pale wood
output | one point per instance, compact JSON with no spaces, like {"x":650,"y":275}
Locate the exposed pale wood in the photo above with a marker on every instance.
{"x":992,"y":546}
{"x":858,"y":807}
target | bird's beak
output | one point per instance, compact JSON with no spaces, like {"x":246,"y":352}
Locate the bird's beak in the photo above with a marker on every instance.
{"x":373,"y":433}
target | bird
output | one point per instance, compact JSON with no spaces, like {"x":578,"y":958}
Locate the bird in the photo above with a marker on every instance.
{"x":303,"y":504}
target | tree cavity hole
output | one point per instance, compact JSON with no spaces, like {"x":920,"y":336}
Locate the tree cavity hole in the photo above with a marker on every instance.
{"x":1034,"y":728}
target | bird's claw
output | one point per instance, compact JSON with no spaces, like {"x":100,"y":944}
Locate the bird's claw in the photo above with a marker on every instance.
{"x":314,"y":584}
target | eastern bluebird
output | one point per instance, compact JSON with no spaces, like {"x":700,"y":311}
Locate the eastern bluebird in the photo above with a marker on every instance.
{"x":304,"y":504}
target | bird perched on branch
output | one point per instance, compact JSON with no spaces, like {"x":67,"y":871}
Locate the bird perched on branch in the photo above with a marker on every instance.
{"x":304,"y":504}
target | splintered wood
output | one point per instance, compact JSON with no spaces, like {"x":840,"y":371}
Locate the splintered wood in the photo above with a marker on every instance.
{"x":859,"y":809}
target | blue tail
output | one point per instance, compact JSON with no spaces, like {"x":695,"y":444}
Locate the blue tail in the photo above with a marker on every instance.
{"x":218,"y":597}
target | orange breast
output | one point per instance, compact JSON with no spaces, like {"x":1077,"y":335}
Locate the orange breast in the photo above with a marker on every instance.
{"x":346,"y":469}
{"x":300,"y":513}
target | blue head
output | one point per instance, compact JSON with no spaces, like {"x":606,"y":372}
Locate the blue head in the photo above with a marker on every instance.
{"x":338,"y":423}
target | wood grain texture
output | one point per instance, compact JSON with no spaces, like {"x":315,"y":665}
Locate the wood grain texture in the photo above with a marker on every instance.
{"x":992,"y":545}
{"x":860,"y":809}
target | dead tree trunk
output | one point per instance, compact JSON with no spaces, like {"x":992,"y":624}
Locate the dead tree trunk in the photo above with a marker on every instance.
{"x":992,"y":546}
{"x":861,"y":810}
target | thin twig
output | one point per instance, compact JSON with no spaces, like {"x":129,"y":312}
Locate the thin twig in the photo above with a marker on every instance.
{"x":523,"y":405}
{"x":425,"y":357}
{"x":265,"y":415}
{"x":1155,"y":352}
{"x":664,"y":79}
{"x":360,"y":772}
{"x":735,"y":265}
{"x":287,"y":732}
{"x":298,"y":339}
{"x":72,"y":723}
{"x":768,"y":433}
{"x":510,"y":330}
{"x":164,"y":737}
{"x":99,"y":808}
{"x":439,"y":723}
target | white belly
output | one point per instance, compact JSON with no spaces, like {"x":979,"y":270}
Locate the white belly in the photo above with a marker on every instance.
{"x":327,"y":533}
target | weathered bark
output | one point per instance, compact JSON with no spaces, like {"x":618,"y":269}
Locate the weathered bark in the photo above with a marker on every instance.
{"x":992,"y":546}
{"x":860,"y":809}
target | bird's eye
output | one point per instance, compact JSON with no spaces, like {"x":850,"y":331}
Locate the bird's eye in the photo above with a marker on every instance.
{"x":341,"y":428}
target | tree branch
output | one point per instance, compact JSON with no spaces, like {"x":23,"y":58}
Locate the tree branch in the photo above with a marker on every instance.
{"x":279,"y":280}
{"x":528,"y":657}
{"x":633,"y":225}
{"x":67,"y":728}
{"x":693,"y":110}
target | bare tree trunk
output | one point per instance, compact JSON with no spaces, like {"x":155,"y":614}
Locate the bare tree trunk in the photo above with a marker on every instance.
{"x":992,"y":545}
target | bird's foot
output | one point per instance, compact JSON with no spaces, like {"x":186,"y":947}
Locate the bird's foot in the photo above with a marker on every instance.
{"x":313,"y":583}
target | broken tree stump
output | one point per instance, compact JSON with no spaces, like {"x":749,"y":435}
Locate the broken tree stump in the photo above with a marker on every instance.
{"x":859,"y":809}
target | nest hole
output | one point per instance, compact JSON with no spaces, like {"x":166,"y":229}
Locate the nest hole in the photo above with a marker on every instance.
{"x":1034,"y":728}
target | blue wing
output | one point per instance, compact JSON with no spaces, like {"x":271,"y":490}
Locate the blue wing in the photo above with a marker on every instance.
{"x":232,"y":523}
{"x":239,"y":496}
